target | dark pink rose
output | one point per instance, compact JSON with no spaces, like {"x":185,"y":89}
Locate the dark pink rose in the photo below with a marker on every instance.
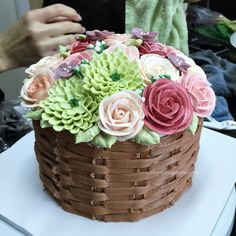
{"x":167,"y":107}
{"x":78,"y":46}
{"x":155,"y":48}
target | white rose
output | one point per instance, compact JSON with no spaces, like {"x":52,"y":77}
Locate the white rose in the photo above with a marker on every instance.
{"x":153,"y":65}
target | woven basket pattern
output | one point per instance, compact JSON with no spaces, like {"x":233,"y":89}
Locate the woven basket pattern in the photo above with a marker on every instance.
{"x":125,"y":183}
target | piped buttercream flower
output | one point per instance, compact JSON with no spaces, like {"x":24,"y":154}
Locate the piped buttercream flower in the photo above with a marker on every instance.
{"x":66,"y":68}
{"x":78,"y":46}
{"x":155,"y":48}
{"x":201,"y":94}
{"x":152,"y":65}
{"x":50,"y":62}
{"x":121,"y":115}
{"x":131,"y":51}
{"x":148,"y":37}
{"x":94,"y":35}
{"x":36,"y":88}
{"x":110,"y":73}
{"x":68,"y":108}
{"x":167,"y":107}
{"x":117,"y":39}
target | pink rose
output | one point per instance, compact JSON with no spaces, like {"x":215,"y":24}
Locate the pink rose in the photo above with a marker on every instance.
{"x":36,"y":89}
{"x":167,"y":107}
{"x":131,"y":51}
{"x":117,"y":39}
{"x":155,"y":48}
{"x":77,"y":57}
{"x":201,"y":94}
{"x":121,"y":115}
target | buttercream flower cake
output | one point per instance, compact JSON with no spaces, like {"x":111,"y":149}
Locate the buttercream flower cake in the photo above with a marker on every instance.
{"x":107,"y":87}
{"x":107,"y":90}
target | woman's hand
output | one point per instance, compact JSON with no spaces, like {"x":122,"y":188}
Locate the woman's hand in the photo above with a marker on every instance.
{"x":37,"y":34}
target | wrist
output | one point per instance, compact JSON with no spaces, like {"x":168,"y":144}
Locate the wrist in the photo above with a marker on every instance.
{"x":6,"y":62}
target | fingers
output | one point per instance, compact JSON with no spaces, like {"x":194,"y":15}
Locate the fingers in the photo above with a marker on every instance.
{"x":62,"y":40}
{"x":50,"y":46}
{"x":46,"y":14}
{"x":64,"y":27}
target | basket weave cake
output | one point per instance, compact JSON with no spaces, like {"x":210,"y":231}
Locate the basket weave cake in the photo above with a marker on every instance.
{"x":125,"y":183}
{"x":117,"y":120}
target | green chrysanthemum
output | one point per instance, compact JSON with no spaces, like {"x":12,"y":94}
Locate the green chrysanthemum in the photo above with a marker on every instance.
{"x":68,"y":108}
{"x":110,"y":73}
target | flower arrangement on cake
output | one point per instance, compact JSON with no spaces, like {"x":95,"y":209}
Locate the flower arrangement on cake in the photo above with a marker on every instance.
{"x":119,"y":109}
{"x":107,"y":87}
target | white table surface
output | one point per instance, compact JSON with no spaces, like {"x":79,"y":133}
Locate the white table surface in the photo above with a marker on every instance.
{"x":198,"y":212}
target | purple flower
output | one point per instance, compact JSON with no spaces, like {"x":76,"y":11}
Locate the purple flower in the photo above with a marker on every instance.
{"x":95,"y":35}
{"x":148,"y":37}
{"x":178,"y":62}
{"x":64,"y":70}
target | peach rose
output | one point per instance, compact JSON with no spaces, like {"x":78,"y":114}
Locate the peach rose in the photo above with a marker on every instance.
{"x":153,"y":65}
{"x":121,"y":115}
{"x":116,"y":39}
{"x":132,"y":52}
{"x":201,"y":94}
{"x":36,"y":88}
{"x":50,"y":62}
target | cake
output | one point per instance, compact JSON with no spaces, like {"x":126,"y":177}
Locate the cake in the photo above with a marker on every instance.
{"x":117,"y":121}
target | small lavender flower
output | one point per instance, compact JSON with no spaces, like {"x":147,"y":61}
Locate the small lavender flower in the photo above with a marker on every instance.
{"x":148,"y":37}
{"x":64,"y":70}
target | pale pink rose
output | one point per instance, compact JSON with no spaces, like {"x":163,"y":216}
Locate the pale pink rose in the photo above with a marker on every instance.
{"x":201,"y":94}
{"x":36,"y":89}
{"x":197,"y":69}
{"x":116,"y":39}
{"x":121,"y":115}
{"x":50,"y":62}
{"x":153,"y":65}
{"x":132,"y":52}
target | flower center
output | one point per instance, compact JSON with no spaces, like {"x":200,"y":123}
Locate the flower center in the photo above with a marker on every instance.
{"x":74,"y":102}
{"x":115,"y":77}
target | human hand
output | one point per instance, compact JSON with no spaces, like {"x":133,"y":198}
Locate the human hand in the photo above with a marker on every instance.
{"x":37,"y":34}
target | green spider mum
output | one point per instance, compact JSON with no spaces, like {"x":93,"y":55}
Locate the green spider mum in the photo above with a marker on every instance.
{"x":109,"y":73}
{"x":68,"y":108}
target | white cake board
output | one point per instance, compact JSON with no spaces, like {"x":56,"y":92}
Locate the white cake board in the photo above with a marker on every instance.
{"x":26,"y":205}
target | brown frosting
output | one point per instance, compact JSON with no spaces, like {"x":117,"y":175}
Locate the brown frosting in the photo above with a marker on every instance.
{"x":125,"y":183}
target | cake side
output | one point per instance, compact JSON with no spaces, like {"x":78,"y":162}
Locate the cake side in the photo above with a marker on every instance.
{"x":125,"y":183}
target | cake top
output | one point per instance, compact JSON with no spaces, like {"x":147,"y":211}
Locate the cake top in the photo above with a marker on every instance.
{"x":109,"y":87}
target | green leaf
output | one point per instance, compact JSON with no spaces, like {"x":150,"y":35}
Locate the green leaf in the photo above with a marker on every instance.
{"x":44,"y":124}
{"x":193,"y":127}
{"x":88,"y":135}
{"x":104,"y":140}
{"x":35,"y":115}
{"x":147,"y":137}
